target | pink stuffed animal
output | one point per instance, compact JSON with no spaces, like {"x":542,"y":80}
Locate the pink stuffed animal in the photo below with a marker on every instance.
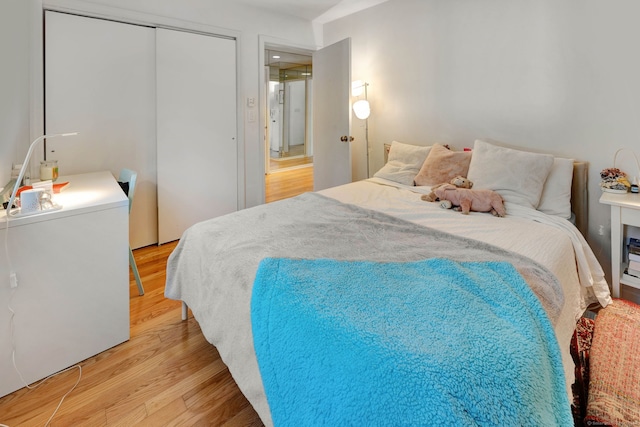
{"x":467,"y":199}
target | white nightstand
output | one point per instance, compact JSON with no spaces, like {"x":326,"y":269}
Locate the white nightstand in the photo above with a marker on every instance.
{"x":625,"y":210}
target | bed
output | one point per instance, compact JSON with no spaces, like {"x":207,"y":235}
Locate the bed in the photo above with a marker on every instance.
{"x":247,"y":279}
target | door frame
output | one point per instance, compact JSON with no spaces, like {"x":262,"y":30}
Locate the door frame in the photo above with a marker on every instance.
{"x":275,"y":43}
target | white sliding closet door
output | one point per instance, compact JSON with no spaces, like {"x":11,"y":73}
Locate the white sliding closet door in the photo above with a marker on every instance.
{"x":196,"y":130}
{"x":100,"y":81}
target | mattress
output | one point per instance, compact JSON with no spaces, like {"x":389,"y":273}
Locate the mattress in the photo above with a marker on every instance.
{"x":219,"y":298}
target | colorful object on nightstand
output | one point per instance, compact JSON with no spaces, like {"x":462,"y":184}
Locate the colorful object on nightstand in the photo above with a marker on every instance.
{"x":613,"y":180}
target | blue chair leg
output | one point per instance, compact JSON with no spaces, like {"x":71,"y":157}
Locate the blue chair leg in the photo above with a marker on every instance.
{"x":134,"y":267}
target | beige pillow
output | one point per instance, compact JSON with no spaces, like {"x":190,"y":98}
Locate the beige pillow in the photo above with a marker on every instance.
{"x":404,"y":162}
{"x":518,"y":176}
{"x":442,"y":165}
{"x":556,"y":193}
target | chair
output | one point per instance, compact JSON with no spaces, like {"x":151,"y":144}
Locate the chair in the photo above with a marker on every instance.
{"x":127,"y":180}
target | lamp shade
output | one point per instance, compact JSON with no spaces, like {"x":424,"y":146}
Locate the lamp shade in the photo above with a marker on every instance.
{"x":362,"y":109}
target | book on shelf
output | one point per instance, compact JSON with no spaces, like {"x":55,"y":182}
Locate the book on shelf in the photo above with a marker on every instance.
{"x":634,"y":244}
{"x":633,"y":249}
{"x":634,"y":265}
{"x":632,"y":272}
{"x":630,"y":278}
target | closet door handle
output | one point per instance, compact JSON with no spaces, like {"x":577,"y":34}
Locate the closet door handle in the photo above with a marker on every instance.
{"x":345,"y":138}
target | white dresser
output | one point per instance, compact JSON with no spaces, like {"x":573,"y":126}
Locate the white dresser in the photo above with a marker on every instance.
{"x":72,"y":266}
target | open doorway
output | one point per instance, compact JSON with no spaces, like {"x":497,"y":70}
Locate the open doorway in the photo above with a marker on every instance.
{"x":288,"y":138}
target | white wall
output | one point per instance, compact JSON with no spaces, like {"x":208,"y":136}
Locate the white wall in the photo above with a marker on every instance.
{"x":558,"y":77}
{"x":14,"y":84}
{"x":19,"y":27}
{"x":297,"y":111}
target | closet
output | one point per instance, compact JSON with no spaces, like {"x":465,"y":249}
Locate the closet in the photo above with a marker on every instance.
{"x":158,"y":101}
{"x":196,"y":123}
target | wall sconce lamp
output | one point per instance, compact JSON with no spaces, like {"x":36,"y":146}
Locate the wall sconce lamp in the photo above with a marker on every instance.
{"x":25,"y":165}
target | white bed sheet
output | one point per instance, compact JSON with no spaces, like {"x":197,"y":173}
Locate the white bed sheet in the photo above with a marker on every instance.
{"x":551,"y":241}
{"x":226,"y":319}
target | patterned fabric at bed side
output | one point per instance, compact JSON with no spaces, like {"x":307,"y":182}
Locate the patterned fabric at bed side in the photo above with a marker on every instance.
{"x":580,"y":347}
{"x":614,"y":383}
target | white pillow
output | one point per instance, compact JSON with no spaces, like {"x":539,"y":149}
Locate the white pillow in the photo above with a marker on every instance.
{"x":404,"y":162}
{"x":518,"y":176}
{"x":556,"y":193}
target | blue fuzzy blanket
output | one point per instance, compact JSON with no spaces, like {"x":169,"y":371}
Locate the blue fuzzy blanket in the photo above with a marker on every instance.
{"x":433,"y":342}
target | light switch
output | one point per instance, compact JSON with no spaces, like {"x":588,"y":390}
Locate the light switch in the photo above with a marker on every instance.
{"x":251,"y":102}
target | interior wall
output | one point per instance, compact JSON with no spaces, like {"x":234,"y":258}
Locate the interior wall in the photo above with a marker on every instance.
{"x":19,"y":26}
{"x":14,"y":84}
{"x":297,"y":106}
{"x":549,"y":76}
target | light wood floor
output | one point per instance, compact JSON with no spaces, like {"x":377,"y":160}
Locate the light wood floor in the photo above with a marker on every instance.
{"x":285,"y":163}
{"x":280,"y":185}
{"x":167,"y":374}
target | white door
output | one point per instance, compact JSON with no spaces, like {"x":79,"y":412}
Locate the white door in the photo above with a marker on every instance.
{"x":99,"y":81}
{"x":197,"y":149}
{"x":332,"y":115}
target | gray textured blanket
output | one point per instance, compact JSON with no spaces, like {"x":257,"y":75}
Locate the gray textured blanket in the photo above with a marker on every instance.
{"x":213,"y":267}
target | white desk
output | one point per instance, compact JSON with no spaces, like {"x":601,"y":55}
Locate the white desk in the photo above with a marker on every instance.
{"x":72,"y":265}
{"x":625,"y":210}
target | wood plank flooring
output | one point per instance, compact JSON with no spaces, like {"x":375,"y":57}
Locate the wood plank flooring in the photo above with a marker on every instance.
{"x":280,"y":185}
{"x":167,"y":374}
{"x":285,"y":163}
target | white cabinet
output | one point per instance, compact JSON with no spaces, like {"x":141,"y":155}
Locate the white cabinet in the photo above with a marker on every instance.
{"x":625,"y":211}
{"x":158,"y":101}
{"x":72,"y":265}
{"x":100,"y":82}
{"x":197,"y":149}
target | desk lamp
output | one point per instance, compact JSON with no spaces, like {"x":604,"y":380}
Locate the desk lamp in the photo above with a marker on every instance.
{"x":25,"y":165}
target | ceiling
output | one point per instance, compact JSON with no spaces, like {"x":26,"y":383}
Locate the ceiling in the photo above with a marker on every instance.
{"x":313,"y":10}
{"x":285,"y":59}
